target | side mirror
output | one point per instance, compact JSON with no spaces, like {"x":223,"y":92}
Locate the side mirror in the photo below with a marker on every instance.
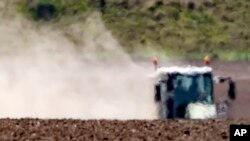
{"x":157,"y":93}
{"x":232,"y":89}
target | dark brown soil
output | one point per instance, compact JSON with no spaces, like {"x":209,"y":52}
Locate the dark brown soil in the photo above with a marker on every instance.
{"x":59,"y":130}
{"x":192,"y":130}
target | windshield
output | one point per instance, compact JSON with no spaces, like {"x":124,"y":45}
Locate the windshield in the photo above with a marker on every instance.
{"x":193,"y":88}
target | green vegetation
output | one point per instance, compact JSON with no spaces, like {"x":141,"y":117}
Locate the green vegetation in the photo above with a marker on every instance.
{"x":218,"y":28}
{"x":52,"y":9}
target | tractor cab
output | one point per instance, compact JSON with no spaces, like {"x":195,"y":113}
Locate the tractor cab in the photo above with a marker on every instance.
{"x":180,"y":88}
{"x":188,"y":92}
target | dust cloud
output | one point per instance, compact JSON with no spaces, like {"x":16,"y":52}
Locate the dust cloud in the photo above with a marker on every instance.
{"x":44,"y":74}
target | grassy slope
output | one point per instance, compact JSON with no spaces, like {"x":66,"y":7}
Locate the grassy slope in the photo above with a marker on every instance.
{"x":221,"y":29}
{"x":217,"y":28}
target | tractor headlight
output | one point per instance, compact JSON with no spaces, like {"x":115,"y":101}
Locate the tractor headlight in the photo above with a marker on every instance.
{"x":201,"y":111}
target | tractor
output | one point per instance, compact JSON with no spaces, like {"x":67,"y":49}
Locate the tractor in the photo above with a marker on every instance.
{"x":188,"y":92}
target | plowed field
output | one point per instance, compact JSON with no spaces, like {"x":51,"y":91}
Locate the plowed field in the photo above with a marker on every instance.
{"x":59,"y":130}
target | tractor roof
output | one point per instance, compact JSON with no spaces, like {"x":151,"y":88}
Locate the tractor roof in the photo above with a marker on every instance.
{"x":189,"y":70}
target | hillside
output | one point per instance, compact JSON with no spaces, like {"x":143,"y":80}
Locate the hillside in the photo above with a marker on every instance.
{"x":172,"y":29}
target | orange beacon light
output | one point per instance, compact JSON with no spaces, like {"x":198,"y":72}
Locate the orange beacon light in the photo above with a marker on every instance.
{"x":207,"y":60}
{"x":155,"y":62}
